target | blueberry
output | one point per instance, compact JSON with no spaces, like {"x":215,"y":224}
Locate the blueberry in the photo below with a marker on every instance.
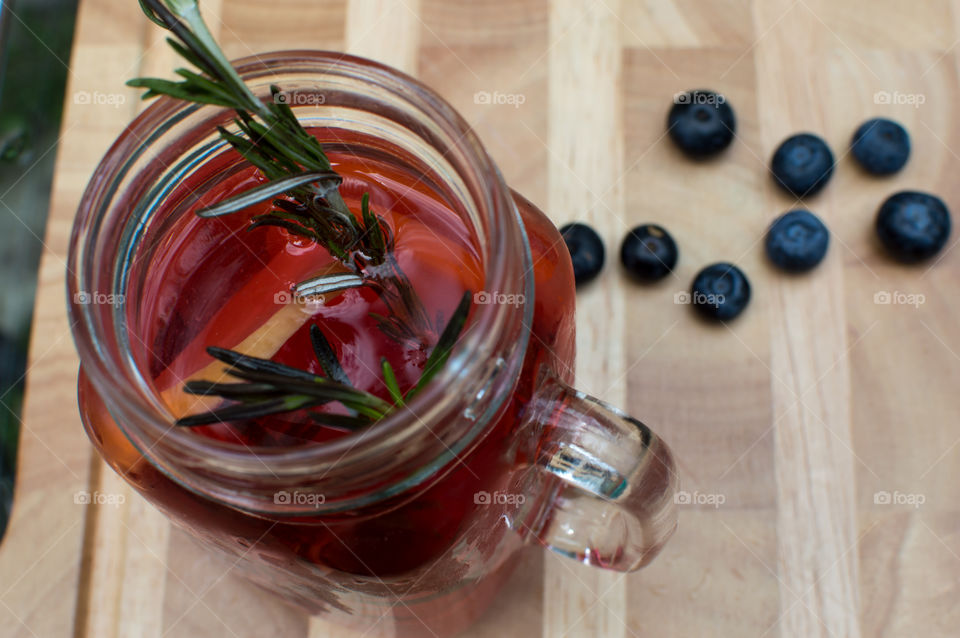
{"x":720,"y":291}
{"x":648,"y":252}
{"x":881,"y":146}
{"x":701,"y":123}
{"x":797,"y":241}
{"x":586,"y":251}
{"x":913,"y":226}
{"x":802,"y":164}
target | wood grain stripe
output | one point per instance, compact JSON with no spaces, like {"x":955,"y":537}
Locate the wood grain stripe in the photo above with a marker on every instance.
{"x":385,"y":30}
{"x":41,"y":561}
{"x":809,"y":364}
{"x":585,"y":140}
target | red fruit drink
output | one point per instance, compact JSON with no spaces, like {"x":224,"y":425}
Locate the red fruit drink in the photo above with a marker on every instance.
{"x":204,"y":282}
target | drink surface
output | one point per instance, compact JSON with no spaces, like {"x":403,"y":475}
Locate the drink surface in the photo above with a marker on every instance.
{"x":213,"y":283}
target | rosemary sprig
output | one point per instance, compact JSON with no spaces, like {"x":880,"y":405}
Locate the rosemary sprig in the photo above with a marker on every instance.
{"x":273,"y":388}
{"x":271,"y":138}
{"x":268,"y":387}
{"x":305,"y":194}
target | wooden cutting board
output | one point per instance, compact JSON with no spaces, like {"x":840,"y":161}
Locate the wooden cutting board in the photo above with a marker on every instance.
{"x":791,"y":424}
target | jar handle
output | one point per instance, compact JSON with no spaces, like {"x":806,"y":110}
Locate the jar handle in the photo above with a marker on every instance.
{"x":616,"y":507}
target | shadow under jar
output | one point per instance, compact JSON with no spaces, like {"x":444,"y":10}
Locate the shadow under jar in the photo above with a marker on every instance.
{"x":407,"y":527}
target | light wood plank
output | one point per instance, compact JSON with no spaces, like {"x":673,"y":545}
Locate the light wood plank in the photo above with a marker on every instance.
{"x":585,"y":145}
{"x":705,"y":387}
{"x":387,"y":31}
{"x":809,"y":363}
{"x":42,"y":551}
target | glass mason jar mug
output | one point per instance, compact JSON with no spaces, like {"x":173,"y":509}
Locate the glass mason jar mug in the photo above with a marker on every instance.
{"x":409,"y":526}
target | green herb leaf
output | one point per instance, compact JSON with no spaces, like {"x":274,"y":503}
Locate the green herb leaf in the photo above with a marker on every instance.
{"x":245,"y":411}
{"x":327,"y":284}
{"x":242,"y":391}
{"x":325,"y":181}
{"x":390,"y":380}
{"x":178,"y":90}
{"x":242,"y":362}
{"x":327,"y":357}
{"x":150,"y":13}
{"x":290,"y":226}
{"x":343,"y":421}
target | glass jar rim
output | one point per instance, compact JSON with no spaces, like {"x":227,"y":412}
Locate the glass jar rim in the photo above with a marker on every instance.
{"x":506,"y":258}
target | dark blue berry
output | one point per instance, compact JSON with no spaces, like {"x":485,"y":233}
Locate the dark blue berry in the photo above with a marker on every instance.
{"x":586,"y":251}
{"x":701,"y":123}
{"x":881,"y":146}
{"x":913,"y":226}
{"x":648,"y":252}
{"x":802,"y":164}
{"x":720,"y":291}
{"x":797,"y":241}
